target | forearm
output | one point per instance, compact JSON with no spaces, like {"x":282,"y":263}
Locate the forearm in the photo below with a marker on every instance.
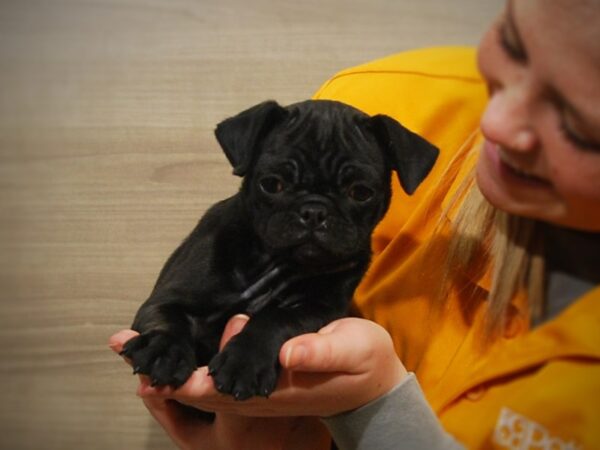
{"x":401,"y":419}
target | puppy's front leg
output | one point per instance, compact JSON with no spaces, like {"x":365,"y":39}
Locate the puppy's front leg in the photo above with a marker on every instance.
{"x":187,"y":287}
{"x":249,"y":364}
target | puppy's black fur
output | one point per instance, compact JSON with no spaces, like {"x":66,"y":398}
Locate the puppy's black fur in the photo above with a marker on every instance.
{"x":288,"y":249}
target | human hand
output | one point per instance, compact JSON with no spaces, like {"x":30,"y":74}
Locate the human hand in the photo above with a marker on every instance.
{"x":343,"y":366}
{"x":228,"y":431}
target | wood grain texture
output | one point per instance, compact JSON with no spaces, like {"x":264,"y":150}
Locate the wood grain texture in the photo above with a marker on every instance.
{"x":107,"y":159}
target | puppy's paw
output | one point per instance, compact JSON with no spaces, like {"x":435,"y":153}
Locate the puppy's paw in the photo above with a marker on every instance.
{"x":166,"y":359}
{"x":239,"y":372}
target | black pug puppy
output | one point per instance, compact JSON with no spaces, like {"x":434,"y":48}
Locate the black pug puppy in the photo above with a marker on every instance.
{"x":288,"y":249}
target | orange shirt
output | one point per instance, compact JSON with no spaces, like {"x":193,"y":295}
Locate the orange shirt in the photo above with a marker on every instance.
{"x":528,"y":389}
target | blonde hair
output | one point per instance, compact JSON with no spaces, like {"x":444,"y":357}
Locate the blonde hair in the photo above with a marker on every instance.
{"x":510,"y":244}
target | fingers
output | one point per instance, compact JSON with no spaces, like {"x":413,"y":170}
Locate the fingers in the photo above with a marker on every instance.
{"x":343,"y":366}
{"x":233,"y":327}
{"x":117,"y":340}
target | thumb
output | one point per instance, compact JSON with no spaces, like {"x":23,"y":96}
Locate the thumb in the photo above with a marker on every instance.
{"x":233,"y":327}
{"x":339,"y":347}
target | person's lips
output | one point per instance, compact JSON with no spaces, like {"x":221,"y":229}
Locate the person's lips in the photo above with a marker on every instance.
{"x":510,"y":169}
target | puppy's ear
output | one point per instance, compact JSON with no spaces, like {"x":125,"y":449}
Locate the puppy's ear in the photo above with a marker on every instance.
{"x":410,"y":155}
{"x":240,"y":135}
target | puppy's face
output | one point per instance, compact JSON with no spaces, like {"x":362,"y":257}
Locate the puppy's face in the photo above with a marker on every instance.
{"x":318,"y":186}
{"x":317,"y":175}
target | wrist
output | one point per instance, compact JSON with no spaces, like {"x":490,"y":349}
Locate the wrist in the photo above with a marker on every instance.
{"x":394,"y":375}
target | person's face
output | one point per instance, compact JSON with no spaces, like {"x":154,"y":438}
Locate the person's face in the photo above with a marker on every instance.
{"x":541,"y":157}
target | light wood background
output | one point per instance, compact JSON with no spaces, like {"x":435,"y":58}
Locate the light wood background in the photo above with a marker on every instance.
{"x":107,"y":159}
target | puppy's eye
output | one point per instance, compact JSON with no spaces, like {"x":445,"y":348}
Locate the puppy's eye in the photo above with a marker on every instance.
{"x":271,"y":185}
{"x":360,"y":193}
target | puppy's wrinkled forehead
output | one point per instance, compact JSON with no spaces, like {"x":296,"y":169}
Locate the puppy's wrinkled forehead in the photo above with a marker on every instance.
{"x":322,"y":137}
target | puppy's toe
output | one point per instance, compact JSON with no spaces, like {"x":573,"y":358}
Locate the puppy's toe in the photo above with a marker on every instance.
{"x":173,"y":367}
{"x":221,"y":373}
{"x":162,"y":373}
{"x":233,"y":381}
{"x":267,"y":382}
{"x":243,"y":376}
{"x":140,"y":353}
{"x":254,"y":380}
{"x":244,"y":389}
{"x":133,"y":345}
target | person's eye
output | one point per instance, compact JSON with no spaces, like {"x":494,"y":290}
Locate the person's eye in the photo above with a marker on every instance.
{"x":575,"y":137}
{"x":510,"y":44}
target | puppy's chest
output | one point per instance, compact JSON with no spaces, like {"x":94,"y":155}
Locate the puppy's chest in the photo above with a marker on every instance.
{"x":262,"y":285}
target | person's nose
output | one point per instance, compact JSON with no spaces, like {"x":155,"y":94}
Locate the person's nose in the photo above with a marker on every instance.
{"x":509,"y":117}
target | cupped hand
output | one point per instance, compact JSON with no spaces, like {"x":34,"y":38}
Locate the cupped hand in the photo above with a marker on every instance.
{"x":343,"y":366}
{"x":228,"y":430}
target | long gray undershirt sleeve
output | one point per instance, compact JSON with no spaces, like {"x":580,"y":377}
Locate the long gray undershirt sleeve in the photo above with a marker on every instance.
{"x":400,"y":419}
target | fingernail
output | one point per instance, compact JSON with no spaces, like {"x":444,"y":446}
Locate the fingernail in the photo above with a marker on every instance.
{"x":239,"y":321}
{"x":295,"y":356}
{"x":236,"y":324}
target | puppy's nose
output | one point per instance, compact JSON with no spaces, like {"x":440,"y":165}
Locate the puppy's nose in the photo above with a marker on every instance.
{"x":313,"y":215}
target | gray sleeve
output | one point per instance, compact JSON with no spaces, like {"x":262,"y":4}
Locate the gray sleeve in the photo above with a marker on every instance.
{"x":401,"y":419}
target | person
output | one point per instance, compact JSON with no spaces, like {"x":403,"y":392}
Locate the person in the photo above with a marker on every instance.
{"x":481,"y":308}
